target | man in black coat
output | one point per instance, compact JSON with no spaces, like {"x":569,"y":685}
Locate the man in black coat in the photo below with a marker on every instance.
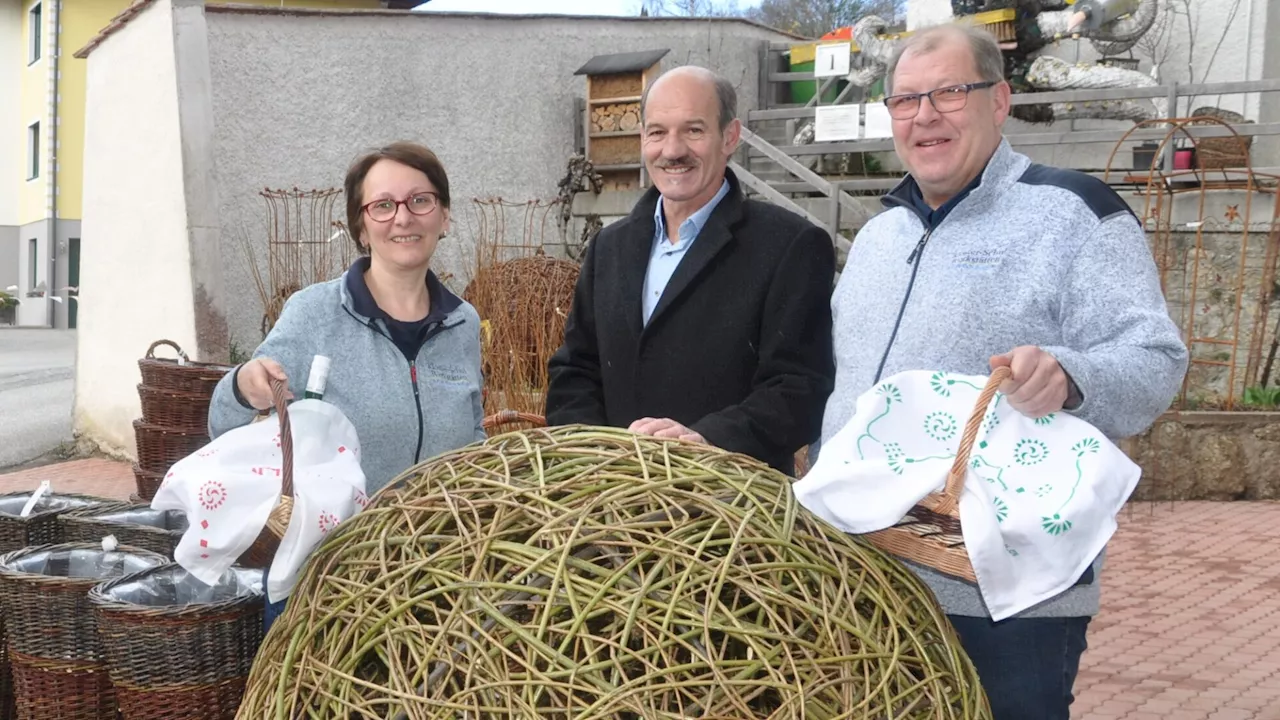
{"x":702,"y":315}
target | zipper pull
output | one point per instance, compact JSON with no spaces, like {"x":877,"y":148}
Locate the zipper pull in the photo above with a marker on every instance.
{"x":919,"y":248}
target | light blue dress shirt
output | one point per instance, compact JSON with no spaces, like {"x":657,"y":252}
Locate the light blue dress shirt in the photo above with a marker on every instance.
{"x":665,"y":256}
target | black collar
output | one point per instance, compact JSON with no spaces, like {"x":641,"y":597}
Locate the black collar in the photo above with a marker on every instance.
{"x":443,"y":302}
{"x":907,"y":194}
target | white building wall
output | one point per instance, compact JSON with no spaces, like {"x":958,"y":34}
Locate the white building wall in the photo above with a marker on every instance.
{"x":135,"y":278}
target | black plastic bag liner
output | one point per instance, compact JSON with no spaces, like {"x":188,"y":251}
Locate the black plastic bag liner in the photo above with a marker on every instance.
{"x":172,"y":585}
{"x":88,"y":564}
{"x":13,"y":504}
{"x":175,"y":520}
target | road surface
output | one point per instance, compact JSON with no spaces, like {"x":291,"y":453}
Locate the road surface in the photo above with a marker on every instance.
{"x":37,"y":386}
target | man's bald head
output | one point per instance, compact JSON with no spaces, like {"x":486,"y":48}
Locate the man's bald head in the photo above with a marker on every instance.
{"x":684,"y":75}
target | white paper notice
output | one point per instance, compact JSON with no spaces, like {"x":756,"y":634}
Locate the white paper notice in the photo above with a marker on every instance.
{"x":832,"y":60}
{"x":836,"y":122}
{"x":879,"y":124}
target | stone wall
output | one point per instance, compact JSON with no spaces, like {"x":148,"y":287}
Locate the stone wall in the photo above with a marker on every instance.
{"x":1209,"y":456}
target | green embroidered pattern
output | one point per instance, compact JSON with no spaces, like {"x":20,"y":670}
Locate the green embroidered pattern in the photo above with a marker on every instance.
{"x":1030,"y":451}
{"x":1087,"y":446}
{"x":991,"y":420}
{"x":977,"y":462}
{"x":891,"y":395}
{"x":942,"y":384}
{"x":893,"y":453}
{"x":1002,"y":510}
{"x":1055,"y":525}
{"x":940,"y":426}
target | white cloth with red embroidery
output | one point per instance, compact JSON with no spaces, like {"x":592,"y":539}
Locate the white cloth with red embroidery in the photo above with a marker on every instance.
{"x":229,"y":487}
{"x":1040,"y":497}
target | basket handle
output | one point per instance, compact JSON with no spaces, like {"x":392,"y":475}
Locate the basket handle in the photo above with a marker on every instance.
{"x":278,"y":391}
{"x":151,"y":351}
{"x":950,"y":500}
{"x":504,"y":417}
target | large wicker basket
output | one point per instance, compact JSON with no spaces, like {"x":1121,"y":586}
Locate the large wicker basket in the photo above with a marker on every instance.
{"x":132,"y":524}
{"x":53,"y":639}
{"x":146,"y":482}
{"x":179,"y":376}
{"x":160,"y":447}
{"x":177,"y":410}
{"x":41,"y":526}
{"x":930,"y":534}
{"x":17,"y":532}
{"x":175,"y":648}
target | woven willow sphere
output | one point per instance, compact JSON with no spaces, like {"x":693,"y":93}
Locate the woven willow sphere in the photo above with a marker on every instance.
{"x":578,"y":572}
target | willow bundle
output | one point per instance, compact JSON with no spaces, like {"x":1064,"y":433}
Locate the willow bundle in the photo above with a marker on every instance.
{"x":578,"y":572}
{"x":524,"y":303}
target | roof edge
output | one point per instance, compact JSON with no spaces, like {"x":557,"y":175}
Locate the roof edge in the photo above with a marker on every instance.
{"x":120,"y":20}
{"x":138,"y":6}
{"x":231,"y":7}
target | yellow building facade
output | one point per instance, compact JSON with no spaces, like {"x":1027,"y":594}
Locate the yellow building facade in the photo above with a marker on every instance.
{"x":42,"y":146}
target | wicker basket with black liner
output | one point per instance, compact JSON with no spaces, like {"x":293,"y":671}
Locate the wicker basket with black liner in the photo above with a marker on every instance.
{"x":930,"y":533}
{"x":17,"y":532}
{"x":133,"y":524}
{"x":168,"y":375}
{"x":175,"y":648}
{"x":41,"y":526}
{"x":54,"y":648}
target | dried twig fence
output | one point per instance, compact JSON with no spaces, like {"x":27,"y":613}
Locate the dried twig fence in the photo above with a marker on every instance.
{"x":305,"y":245}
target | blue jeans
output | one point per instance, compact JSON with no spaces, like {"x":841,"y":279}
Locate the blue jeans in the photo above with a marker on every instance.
{"x":271,"y":610}
{"x":1027,"y":665}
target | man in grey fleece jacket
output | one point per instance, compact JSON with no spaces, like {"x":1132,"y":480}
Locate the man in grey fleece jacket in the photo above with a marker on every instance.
{"x":983,"y":259}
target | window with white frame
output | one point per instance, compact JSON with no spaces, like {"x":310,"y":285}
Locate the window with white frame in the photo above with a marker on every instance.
{"x":33,"y":150}
{"x":34,"y":28}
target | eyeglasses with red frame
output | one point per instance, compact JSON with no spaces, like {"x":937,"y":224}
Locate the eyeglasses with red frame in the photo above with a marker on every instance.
{"x":385,"y":210}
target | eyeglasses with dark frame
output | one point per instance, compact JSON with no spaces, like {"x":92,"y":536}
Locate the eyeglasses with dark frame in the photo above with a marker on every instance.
{"x":945,"y":99}
{"x":385,"y":210}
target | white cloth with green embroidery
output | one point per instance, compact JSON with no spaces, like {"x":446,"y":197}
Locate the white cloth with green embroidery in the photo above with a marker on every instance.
{"x":1040,"y":498}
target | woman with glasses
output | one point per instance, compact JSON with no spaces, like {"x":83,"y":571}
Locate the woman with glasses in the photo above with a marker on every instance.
{"x":403,"y":353}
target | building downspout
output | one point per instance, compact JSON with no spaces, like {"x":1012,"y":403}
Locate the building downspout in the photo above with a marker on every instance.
{"x":55,"y":51}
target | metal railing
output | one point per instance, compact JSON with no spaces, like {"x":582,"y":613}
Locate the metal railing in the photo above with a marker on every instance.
{"x":809,"y":181}
{"x":1171,"y":92}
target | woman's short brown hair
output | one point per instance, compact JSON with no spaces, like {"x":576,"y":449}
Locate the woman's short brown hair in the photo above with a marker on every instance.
{"x":416,"y":156}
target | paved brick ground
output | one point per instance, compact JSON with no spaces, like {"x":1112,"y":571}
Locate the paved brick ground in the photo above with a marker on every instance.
{"x":1190,"y":622}
{"x":95,"y":476}
{"x":1190,"y":625}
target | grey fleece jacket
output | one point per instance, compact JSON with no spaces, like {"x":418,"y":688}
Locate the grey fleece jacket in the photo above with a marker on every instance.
{"x":403,"y":411}
{"x":1031,"y":256}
